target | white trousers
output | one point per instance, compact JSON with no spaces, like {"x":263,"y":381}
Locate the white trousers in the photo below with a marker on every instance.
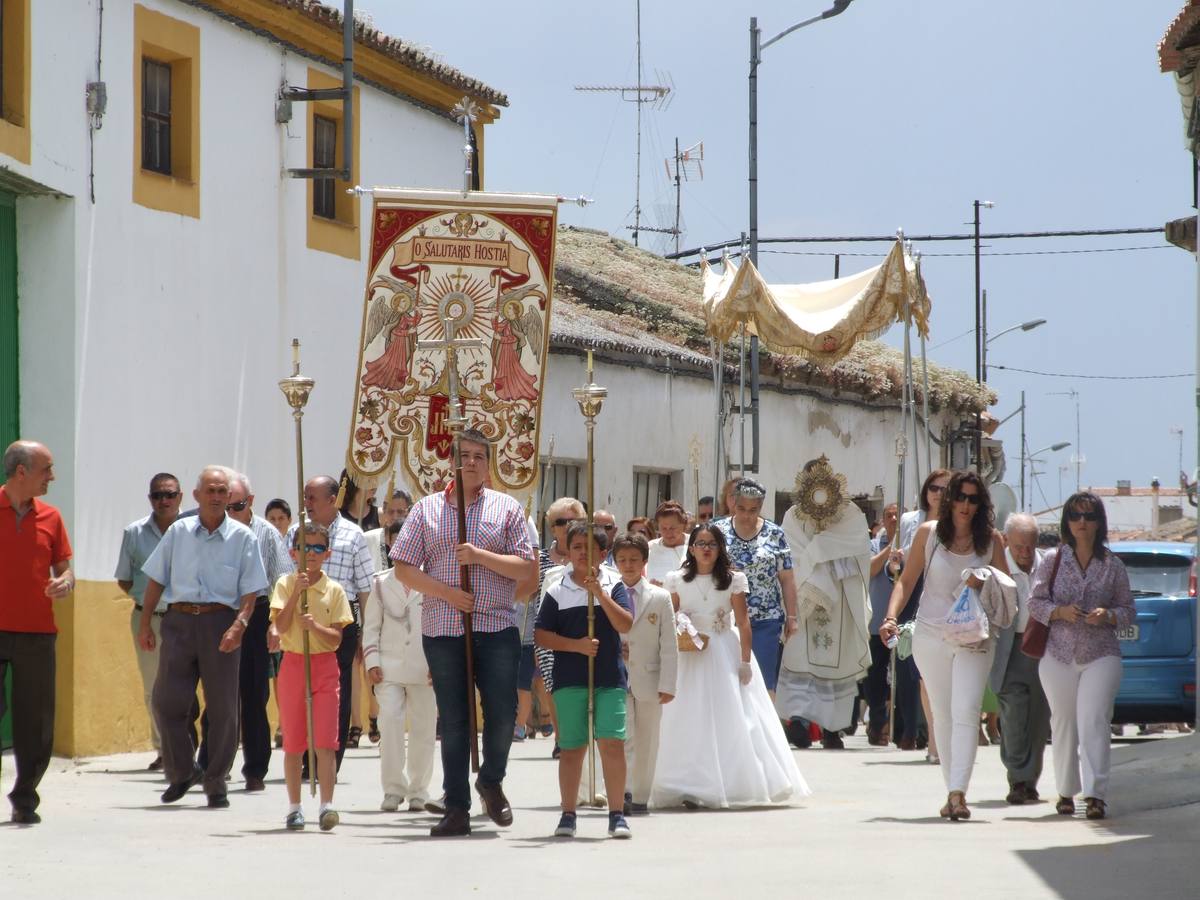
{"x":642,"y":720}
{"x":1081,"y":704}
{"x":403,"y":771}
{"x":954,"y":678}
{"x":147,"y":662}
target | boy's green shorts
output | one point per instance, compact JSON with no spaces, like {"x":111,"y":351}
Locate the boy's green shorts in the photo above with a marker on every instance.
{"x":571,"y":704}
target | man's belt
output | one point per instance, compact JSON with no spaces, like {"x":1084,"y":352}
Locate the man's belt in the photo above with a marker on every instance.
{"x":198,"y":609}
{"x":158,"y":612}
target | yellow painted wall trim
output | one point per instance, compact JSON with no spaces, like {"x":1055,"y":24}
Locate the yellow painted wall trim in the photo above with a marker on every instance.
{"x":15,"y":114}
{"x":98,"y":707}
{"x":341,"y":235}
{"x":298,"y":29}
{"x":172,"y":41}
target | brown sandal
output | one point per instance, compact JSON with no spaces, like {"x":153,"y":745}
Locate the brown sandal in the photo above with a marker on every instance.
{"x":1095,"y":808}
{"x":957,"y":801}
{"x":1065,"y":806}
{"x":353,"y":737}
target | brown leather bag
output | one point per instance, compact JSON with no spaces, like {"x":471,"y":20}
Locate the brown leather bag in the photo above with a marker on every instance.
{"x":1033,"y":642}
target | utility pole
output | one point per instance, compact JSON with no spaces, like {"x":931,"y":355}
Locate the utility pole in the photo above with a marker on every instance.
{"x":1023,"y":508}
{"x":1079,"y":459}
{"x":979,"y":336}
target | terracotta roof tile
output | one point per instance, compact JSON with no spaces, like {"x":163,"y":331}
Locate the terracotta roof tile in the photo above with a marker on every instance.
{"x":400,"y":50}
{"x":1170,"y":59}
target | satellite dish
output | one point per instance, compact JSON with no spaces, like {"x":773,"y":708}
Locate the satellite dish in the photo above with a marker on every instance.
{"x":1004,"y":502}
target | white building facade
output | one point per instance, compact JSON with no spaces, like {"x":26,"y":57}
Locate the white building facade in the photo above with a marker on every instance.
{"x":158,"y":283}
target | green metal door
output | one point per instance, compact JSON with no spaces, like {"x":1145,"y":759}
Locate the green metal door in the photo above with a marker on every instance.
{"x":9,"y":367}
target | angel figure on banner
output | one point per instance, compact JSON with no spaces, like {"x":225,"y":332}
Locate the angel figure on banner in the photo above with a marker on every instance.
{"x":515,"y":328}
{"x":398,"y":317}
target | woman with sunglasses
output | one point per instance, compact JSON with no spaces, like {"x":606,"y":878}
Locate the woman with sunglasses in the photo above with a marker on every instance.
{"x":1082,"y":593}
{"x":720,"y":744}
{"x":910,"y":689}
{"x":961,"y":538}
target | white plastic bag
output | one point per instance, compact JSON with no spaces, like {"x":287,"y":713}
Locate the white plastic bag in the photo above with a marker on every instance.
{"x":966,"y":623}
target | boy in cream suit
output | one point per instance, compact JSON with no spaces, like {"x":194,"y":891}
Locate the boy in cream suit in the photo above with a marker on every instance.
{"x":652,"y":655}
{"x":395,"y":661}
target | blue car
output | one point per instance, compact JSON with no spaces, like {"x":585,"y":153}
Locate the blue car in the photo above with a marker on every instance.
{"x":1158,"y":650}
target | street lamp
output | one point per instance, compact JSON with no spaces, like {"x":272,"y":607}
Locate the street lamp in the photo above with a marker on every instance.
{"x":1024,"y":326}
{"x":757,"y":46}
{"x":1032,"y":457}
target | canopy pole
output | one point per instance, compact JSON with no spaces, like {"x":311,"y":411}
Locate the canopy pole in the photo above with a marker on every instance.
{"x":929,"y":466}
{"x":718,"y":355}
{"x":742,"y":401}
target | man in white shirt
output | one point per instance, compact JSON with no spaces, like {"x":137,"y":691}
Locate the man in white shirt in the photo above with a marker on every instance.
{"x":1024,"y":712}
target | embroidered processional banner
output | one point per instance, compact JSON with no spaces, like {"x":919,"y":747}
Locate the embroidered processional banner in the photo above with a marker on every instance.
{"x":477,"y":268}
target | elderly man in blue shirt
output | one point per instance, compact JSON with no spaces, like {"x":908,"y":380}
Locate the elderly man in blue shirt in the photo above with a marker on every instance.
{"x":208,"y":570}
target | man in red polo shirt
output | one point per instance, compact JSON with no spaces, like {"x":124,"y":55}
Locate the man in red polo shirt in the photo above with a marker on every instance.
{"x":33,"y":544}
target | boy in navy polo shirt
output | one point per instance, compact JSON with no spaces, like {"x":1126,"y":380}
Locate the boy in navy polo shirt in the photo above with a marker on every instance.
{"x":562,"y":627}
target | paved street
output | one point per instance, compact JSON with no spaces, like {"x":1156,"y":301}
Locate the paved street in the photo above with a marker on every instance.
{"x":871,"y":825}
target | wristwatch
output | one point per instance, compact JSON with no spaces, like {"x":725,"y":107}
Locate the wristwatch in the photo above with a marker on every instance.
{"x":245,"y":623}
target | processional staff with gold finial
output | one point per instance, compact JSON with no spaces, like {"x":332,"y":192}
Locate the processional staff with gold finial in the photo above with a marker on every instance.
{"x":296,"y":389}
{"x":590,"y":398}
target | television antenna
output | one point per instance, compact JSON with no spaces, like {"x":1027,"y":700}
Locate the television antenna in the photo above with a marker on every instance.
{"x":659,"y":95}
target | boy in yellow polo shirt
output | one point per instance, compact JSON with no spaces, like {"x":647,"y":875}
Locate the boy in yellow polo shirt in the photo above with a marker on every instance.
{"x":328,"y":613}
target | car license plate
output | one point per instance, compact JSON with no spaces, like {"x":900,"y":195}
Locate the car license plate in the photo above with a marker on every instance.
{"x":1129,"y":633}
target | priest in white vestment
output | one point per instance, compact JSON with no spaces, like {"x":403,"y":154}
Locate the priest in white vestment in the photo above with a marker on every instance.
{"x":827,"y":650}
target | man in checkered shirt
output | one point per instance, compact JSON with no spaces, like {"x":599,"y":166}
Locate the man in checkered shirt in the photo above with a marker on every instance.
{"x":350,"y":565}
{"x":502,"y":563}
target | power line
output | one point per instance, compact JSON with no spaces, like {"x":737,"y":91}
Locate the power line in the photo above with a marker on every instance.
{"x":1093,"y":377}
{"x":923,"y":238}
{"x":997,"y":253}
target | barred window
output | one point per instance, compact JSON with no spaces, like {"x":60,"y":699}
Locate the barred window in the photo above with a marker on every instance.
{"x":324,"y":157}
{"x":156,"y":116}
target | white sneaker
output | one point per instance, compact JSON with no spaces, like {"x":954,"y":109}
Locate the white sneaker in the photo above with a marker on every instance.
{"x":416,"y":804}
{"x":391,"y":802}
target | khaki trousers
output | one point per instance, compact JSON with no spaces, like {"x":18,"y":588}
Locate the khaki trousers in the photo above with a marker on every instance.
{"x":642,"y":720}
{"x":147,"y":663}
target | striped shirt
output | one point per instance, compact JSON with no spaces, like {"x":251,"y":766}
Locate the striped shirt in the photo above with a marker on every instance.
{"x":349,"y":563}
{"x":275,"y":557}
{"x":496,"y":523}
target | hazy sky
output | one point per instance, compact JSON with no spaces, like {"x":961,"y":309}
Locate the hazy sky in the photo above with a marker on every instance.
{"x":892,"y":114}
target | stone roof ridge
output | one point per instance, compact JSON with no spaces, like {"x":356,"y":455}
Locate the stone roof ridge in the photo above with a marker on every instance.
{"x":405,"y":52}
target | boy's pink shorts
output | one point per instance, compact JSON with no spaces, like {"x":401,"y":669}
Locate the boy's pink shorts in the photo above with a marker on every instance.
{"x":325,"y":688}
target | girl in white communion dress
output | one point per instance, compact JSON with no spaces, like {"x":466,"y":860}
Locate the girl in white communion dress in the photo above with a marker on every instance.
{"x":721,"y":744}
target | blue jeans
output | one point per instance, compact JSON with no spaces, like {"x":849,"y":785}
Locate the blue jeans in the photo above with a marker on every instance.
{"x":764,"y":642}
{"x":497,"y":656}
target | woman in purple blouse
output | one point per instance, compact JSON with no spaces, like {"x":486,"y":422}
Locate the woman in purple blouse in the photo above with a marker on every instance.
{"x":1087,"y":602}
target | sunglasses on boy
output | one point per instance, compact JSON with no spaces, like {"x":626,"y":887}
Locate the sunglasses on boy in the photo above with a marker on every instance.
{"x":1074,"y":515}
{"x":315,"y":548}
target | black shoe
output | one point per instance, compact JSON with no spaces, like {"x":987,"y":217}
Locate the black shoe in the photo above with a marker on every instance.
{"x":254,"y":785}
{"x":627,"y":809}
{"x":25,"y":817}
{"x":218,"y":801}
{"x":156,"y":765}
{"x":455,"y":823}
{"x":495,"y":804}
{"x":798,"y":735}
{"x":437,"y":807}
{"x":177,"y":790}
{"x":1016,"y":795}
{"x":831,"y":740}
{"x":638,"y":809}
